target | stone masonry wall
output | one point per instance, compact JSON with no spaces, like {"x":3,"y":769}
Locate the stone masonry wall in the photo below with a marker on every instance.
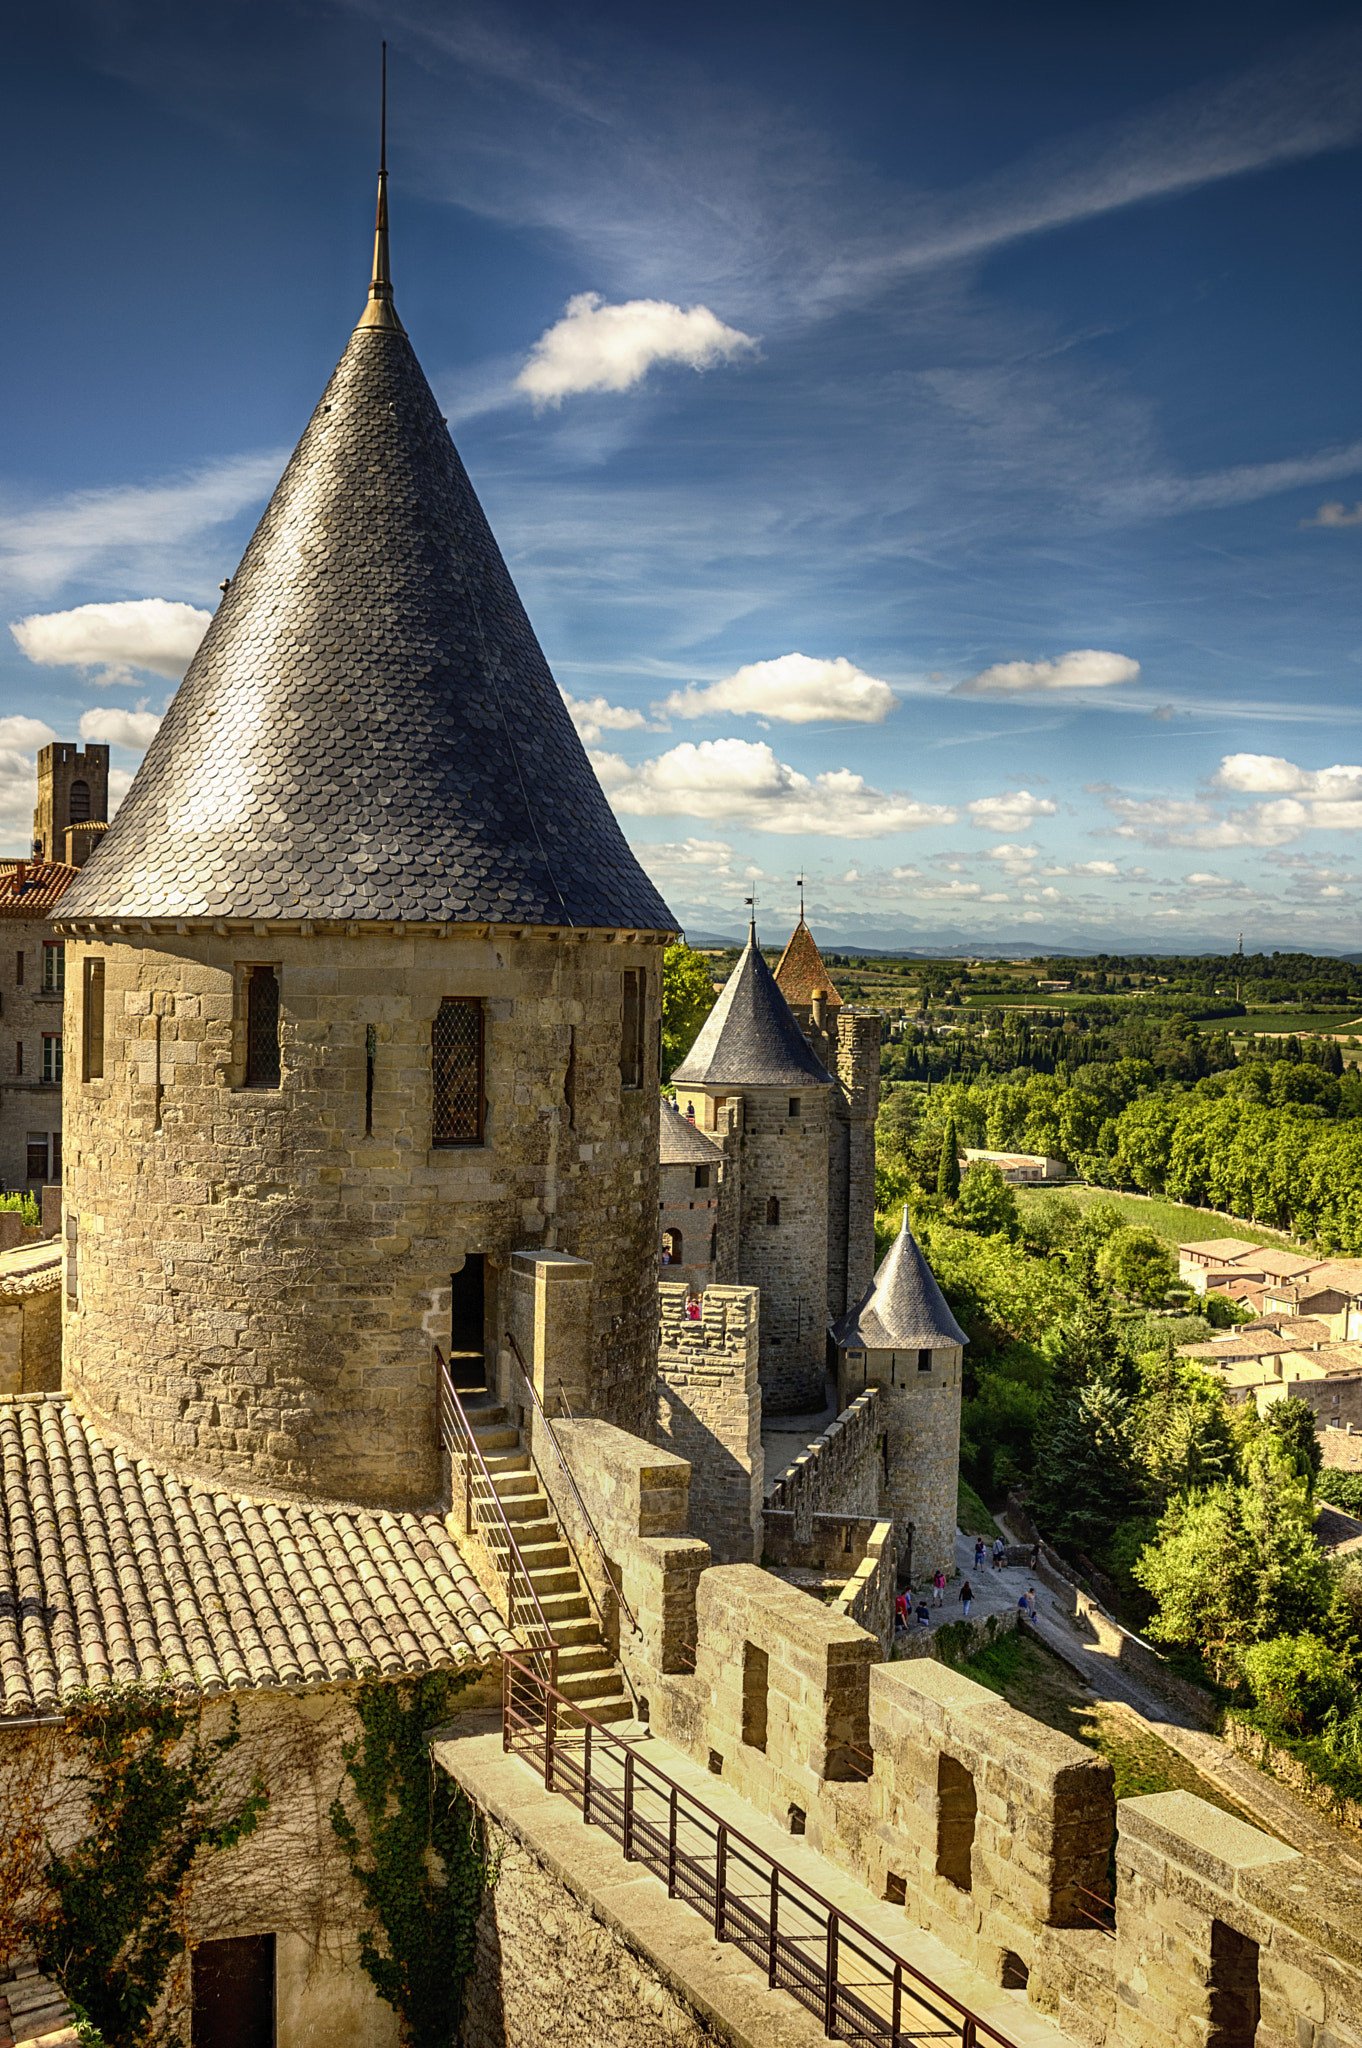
{"x":709,"y":1412}
{"x":857,"y":1548}
{"x":858,"y":1070}
{"x":785,"y":1158}
{"x":692,"y":1214}
{"x":841,"y":1472}
{"x":920,"y":1416}
{"x":28,"y":1104}
{"x":259,"y":1281}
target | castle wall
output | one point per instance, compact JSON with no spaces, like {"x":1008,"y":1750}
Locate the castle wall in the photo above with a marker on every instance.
{"x":785,"y":1159}
{"x":30,"y":1014}
{"x":693,"y":1213}
{"x":859,"y":1549}
{"x":840,"y":1472}
{"x":258,"y":1282}
{"x":30,"y":1319}
{"x":849,"y":1047}
{"x":920,"y":1416}
{"x":709,"y":1412}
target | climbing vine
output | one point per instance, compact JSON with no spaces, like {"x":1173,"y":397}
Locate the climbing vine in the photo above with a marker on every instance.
{"x":420,"y":1861}
{"x":109,"y":1931}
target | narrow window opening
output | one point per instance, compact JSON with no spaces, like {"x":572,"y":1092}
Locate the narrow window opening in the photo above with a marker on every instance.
{"x":52,"y":1056}
{"x":673,"y":1246}
{"x":1235,"y":1998}
{"x":93,"y":1041}
{"x":370,"y":1054}
{"x":794,"y":1105}
{"x":159,"y":1091}
{"x":78,"y":810}
{"x":56,"y":1157}
{"x":895,"y":1889}
{"x":570,"y":1079}
{"x":796,"y":1820}
{"x":956,"y":1809}
{"x":713,"y":1244}
{"x":54,"y":965}
{"x":631,"y":1029}
{"x":755,"y":1669}
{"x":773,"y":1210}
{"x":262,"y":1028}
{"x":18,"y":970}
{"x":233,"y":1993}
{"x":467,"y":1323}
{"x":457,"y":1072}
{"x":18,"y":1055}
{"x":702,"y":1176}
{"x":924,"y":1361}
{"x":37,"y":1156}
{"x":1013,"y":1975}
{"x":716,"y":1763}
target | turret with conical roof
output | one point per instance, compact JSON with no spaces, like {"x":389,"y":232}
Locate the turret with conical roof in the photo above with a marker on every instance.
{"x":902,"y":1338}
{"x":750,"y":1038}
{"x":365,"y":993}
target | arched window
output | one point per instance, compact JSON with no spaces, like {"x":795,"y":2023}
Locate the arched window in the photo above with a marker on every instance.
{"x":773,"y":1210}
{"x":672,"y":1248}
{"x":80,"y":802}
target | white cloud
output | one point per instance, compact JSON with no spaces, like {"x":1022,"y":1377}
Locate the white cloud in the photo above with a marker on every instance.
{"x":133,"y":729}
{"x":1270,"y":775}
{"x":681,"y":856}
{"x":797,"y":689}
{"x":594,"y":715}
{"x":26,"y":734}
{"x":596,"y":347}
{"x":1096,"y":870}
{"x":741,"y":782}
{"x":1086,"y":668}
{"x":1014,"y":811}
{"x":1017,"y":860}
{"x":126,"y":531}
{"x":140,"y":632}
{"x":1335,"y":515}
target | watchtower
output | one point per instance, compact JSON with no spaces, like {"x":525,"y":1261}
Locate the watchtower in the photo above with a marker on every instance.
{"x":751,"y":1055}
{"x":364,"y":992}
{"x":73,"y":798}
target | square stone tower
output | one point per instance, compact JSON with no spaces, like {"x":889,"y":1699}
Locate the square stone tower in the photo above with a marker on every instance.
{"x":73,"y":795}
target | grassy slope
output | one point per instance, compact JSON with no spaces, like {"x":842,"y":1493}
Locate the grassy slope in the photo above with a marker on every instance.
{"x":1174,"y":1222}
{"x":971,"y":1515}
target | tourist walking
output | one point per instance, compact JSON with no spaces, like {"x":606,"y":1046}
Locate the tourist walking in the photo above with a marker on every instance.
{"x":966,"y":1597}
{"x":1030,"y":1603}
{"x":939,"y":1588}
{"x":978,"y":1553}
{"x":998,"y":1548}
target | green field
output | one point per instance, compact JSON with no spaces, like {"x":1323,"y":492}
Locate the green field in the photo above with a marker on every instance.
{"x":1305,"y":1023}
{"x":1172,"y":1221}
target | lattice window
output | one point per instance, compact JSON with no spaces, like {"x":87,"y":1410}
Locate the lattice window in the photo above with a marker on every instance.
{"x":80,"y":803}
{"x":262,"y":1028}
{"x":456,"y":1058}
{"x":54,"y":965}
{"x":52,"y":1048}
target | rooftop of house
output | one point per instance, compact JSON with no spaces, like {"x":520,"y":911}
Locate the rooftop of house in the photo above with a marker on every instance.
{"x":1216,"y":1250}
{"x":680,"y":1144}
{"x":1332,"y":1276}
{"x":32,"y":889}
{"x":904,"y":1309}
{"x":31,"y":1268}
{"x":800,"y":974}
{"x":369,"y":729}
{"x":112,"y":1569}
{"x":751,"y":1037}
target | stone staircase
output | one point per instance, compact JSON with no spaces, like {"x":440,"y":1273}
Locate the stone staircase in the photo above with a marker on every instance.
{"x":587,"y":1673}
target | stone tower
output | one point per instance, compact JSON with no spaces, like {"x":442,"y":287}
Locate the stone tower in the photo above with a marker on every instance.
{"x":751,"y":1071}
{"x":903,"y":1339}
{"x":691,"y":1184}
{"x":847,"y":1042}
{"x":73,"y":802}
{"x":364,"y":991}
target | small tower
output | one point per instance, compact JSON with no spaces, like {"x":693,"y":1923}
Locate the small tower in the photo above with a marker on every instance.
{"x":847,"y":1042}
{"x":751,"y":1064}
{"x":903,"y":1339}
{"x":73,"y":802}
{"x":692,"y":1171}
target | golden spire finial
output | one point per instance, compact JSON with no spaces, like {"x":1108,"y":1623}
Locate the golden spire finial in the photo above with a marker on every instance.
{"x":380,"y":312}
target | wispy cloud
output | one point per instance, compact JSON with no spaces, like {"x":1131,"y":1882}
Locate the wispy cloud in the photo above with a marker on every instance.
{"x":1336,"y":515}
{"x":1087,"y":668}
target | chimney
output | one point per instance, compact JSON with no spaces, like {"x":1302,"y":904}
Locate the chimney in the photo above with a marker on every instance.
{"x":820,"y":1003}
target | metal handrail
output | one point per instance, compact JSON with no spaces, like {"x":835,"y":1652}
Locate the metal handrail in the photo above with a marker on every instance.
{"x":552,"y":1439}
{"x":559,"y":1739}
{"x":483,"y":1510}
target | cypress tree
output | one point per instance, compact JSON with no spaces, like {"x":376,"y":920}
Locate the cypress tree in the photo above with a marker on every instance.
{"x":948,"y":1171}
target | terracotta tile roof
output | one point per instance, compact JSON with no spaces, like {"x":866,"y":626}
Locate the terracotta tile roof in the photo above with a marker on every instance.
{"x":111,"y":1569}
{"x":1217,"y":1250}
{"x":801,"y":970}
{"x":30,"y":1268}
{"x":32,"y":888}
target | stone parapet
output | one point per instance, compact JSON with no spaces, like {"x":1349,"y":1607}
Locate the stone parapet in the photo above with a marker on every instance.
{"x":857,"y":1549}
{"x":30,"y":1318}
{"x":709,"y":1411}
{"x":841,"y":1472}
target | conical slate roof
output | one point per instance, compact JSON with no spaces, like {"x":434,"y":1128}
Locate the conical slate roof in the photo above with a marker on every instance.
{"x":370,"y":729}
{"x":750,"y":1038}
{"x":904,"y":1309}
{"x":801,"y":972}
{"x":680,"y":1144}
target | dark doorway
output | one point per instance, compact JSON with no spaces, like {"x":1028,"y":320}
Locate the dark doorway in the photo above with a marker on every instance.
{"x":467,"y":1346}
{"x":1235,"y":2002}
{"x":234,"y":1993}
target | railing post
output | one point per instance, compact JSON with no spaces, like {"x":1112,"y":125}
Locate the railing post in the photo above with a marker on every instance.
{"x":467,"y":1487}
{"x":586,"y":1779}
{"x":671,"y":1845}
{"x":505,"y":1704}
{"x":830,"y":2003}
{"x":550,"y":1724}
{"x":775,"y":1908}
{"x":968,"y":2032}
{"x":897,"y":2018}
{"x":720,"y":1880}
{"x":628,"y":1805}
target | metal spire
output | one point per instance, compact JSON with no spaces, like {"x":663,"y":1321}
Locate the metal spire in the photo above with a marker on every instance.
{"x":799,"y":884}
{"x":751,"y":903}
{"x":379,"y":312}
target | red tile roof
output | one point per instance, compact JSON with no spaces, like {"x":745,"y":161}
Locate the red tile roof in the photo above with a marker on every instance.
{"x":801,"y":970}
{"x":33,"y":888}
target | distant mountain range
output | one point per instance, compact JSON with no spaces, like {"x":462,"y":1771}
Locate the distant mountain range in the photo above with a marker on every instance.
{"x":948,"y":944}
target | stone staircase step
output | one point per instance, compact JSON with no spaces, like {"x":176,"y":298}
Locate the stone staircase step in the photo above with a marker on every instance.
{"x":516,"y":1485}
{"x":501,"y":1438}
{"x":598,"y":1710}
{"x":544,"y":1557}
{"x":565,"y":1607}
{"x":601,"y":1684}
{"x":521,"y":1507}
{"x":581,"y":1657}
{"x":498,"y":1462}
{"x":572,"y":1634}
{"x":548,"y":1580}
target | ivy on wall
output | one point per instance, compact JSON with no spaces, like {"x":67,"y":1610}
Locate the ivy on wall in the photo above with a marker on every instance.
{"x":419,"y":1856}
{"x":109,"y":1931}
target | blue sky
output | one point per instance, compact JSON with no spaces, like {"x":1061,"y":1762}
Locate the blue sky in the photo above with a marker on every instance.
{"x":928,"y":442}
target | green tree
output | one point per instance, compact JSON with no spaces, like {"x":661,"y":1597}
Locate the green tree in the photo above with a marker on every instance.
{"x":987,"y":1200}
{"x":1087,"y":1477}
{"x":687,"y":999}
{"x":1139,"y":1263}
{"x":1050,"y":1223}
{"x":1296,"y":1681}
{"x":1291,"y":1423}
{"x":1086,"y":1345}
{"x":1200,"y":1572}
{"x":948,"y":1168}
